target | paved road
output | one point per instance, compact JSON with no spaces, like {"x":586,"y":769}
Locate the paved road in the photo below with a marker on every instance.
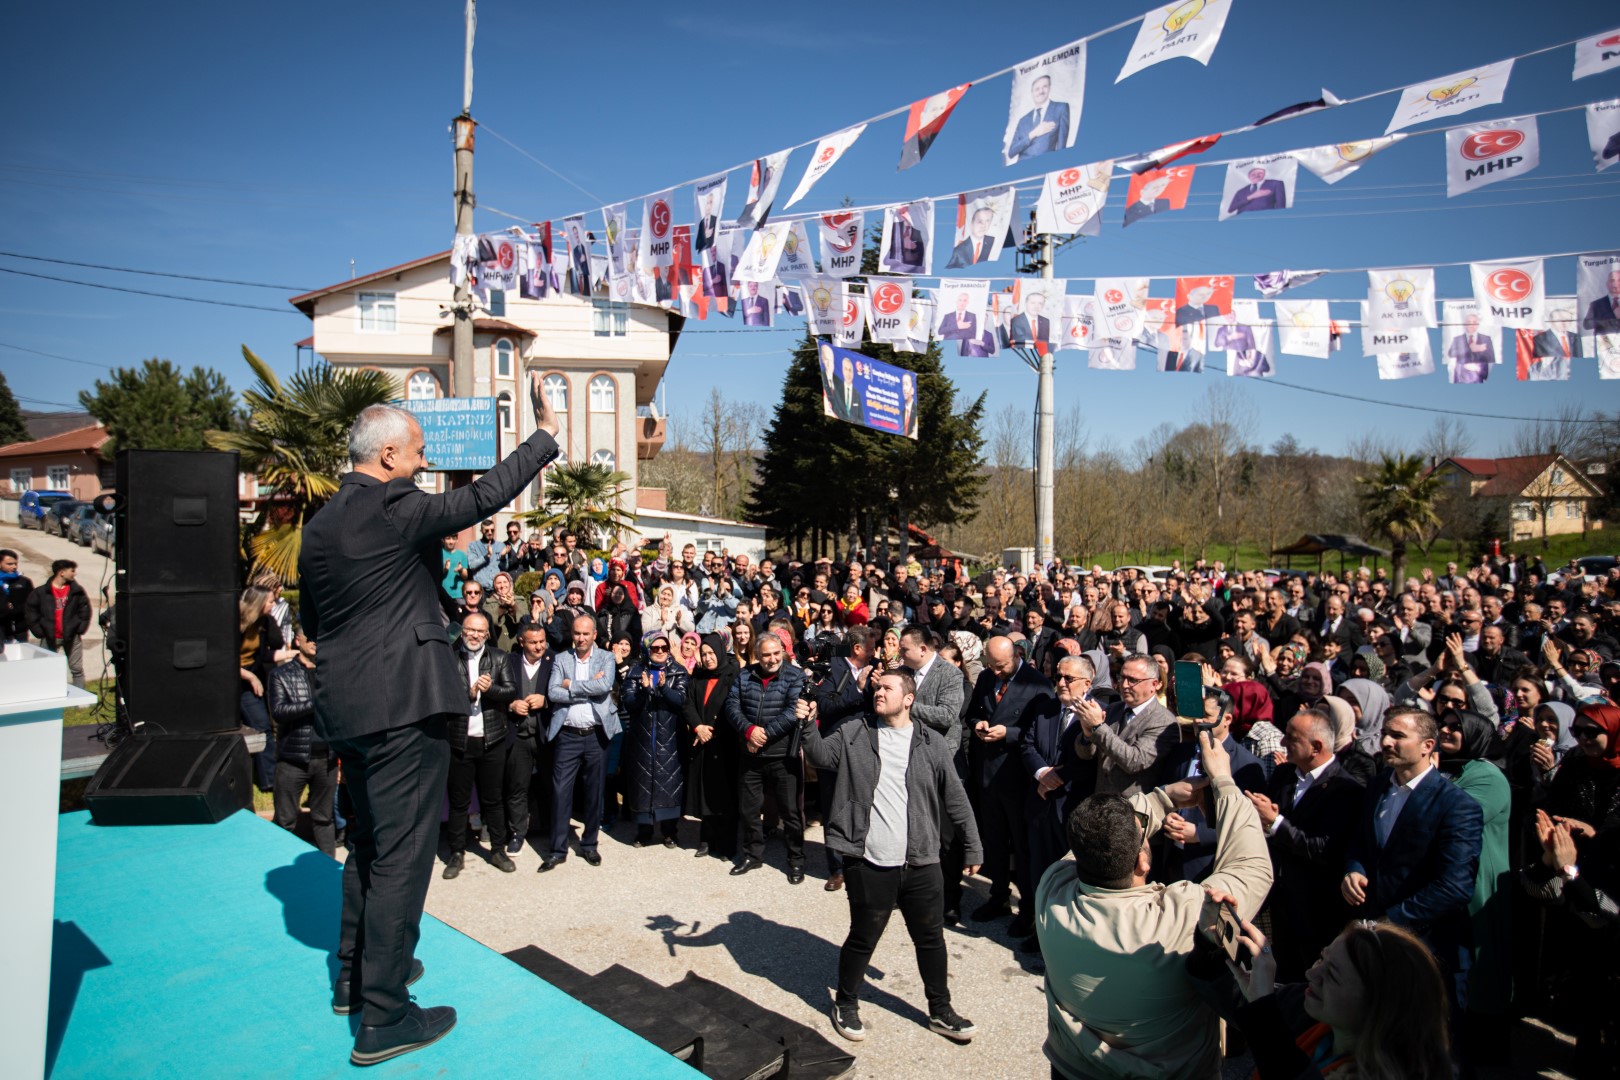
{"x":36,"y":551}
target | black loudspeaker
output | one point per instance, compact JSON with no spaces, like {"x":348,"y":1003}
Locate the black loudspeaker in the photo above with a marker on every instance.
{"x":178,"y":661}
{"x":171,"y":780}
{"x":177,"y":525}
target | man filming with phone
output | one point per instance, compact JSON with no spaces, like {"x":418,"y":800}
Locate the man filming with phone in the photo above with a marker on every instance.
{"x":1119,"y":1001}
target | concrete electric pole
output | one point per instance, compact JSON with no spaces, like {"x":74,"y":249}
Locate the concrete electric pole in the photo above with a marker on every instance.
{"x":462,"y":128}
{"x":1044,"y":448}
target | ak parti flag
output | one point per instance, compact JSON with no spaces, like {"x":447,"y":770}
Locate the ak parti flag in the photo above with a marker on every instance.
{"x":925,"y":121}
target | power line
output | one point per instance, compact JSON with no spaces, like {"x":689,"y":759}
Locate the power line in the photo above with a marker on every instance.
{"x":156,"y":273}
{"x":54,"y":356}
{"x":145,"y":292}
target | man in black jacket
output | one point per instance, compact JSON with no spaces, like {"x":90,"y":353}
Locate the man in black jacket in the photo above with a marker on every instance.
{"x":842,"y":695}
{"x":386,"y":682}
{"x":14,"y":590}
{"x":58,"y":615}
{"x":303,"y":759}
{"x":762,"y":708}
{"x":529,"y":671}
{"x":478,"y":746}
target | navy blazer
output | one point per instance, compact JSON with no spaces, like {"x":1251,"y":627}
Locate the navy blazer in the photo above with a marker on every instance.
{"x":1043,"y":745}
{"x":1191,"y":862}
{"x":1023,"y":145}
{"x":1028,"y":696}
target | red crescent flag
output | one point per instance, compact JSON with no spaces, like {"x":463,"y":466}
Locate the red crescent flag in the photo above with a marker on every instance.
{"x":1166,"y":154}
{"x":925,"y":121}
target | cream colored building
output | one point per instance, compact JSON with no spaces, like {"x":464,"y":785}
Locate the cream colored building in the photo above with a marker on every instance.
{"x":1543,"y":494}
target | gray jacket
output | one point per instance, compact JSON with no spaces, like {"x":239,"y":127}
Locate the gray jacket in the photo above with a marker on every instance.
{"x":932,"y":790}
{"x":938,"y":702}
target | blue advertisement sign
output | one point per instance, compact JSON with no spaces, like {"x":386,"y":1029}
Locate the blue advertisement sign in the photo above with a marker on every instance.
{"x":460,"y":432}
{"x":868,"y":392}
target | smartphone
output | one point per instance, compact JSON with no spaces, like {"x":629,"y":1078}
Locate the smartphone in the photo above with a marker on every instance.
{"x":1189,"y":689}
{"x":1219,"y":923}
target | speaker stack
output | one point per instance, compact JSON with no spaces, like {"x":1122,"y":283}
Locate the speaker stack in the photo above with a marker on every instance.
{"x":174,"y":643}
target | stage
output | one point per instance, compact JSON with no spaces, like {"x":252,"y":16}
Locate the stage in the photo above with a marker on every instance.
{"x":206,"y":950}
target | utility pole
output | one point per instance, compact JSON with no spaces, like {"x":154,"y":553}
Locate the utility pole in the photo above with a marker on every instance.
{"x":1044,"y":448}
{"x":462,"y":128}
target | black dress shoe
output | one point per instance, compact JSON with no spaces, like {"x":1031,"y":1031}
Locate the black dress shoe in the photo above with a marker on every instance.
{"x":452,"y":866}
{"x":992,"y":909}
{"x":1023,"y":926}
{"x":953,"y":917}
{"x":1030,"y":944}
{"x":503,"y":862}
{"x":745,"y":866}
{"x":419,"y":1027}
{"x":700,"y":851}
{"x":795,"y":875}
{"x":591,"y":857}
{"x":548,"y":863}
{"x":342,"y":993}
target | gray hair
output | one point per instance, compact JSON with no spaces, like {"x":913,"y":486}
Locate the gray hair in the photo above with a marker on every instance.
{"x":377,"y":426}
{"x":1081,"y":665}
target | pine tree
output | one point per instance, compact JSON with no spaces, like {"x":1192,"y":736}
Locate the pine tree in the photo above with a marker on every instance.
{"x":157,"y":407}
{"x":12,"y":427}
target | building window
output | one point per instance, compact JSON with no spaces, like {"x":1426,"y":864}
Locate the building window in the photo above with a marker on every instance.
{"x":610,"y":318}
{"x":1558,"y":477}
{"x":604,"y":457}
{"x":1523,"y":512}
{"x":503,"y":359}
{"x":497,"y":303}
{"x":503,"y":410}
{"x":556,"y":388}
{"x":377,"y":312}
{"x":421,"y":386}
{"x":602,"y":394}
{"x":22,"y":480}
{"x":57,"y":477}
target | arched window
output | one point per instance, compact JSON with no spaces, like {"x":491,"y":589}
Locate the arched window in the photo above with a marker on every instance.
{"x":503,"y":359}
{"x":602,"y":394}
{"x":503,"y":410}
{"x":604,"y":457}
{"x":556,"y":388}
{"x":421,"y":386}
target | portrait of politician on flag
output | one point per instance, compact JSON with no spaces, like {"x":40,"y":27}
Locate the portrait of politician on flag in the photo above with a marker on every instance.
{"x":1251,"y":186}
{"x":983,"y":219}
{"x":907,"y":231}
{"x":1047,"y":95}
{"x":1471,"y":353}
{"x":839,"y":398}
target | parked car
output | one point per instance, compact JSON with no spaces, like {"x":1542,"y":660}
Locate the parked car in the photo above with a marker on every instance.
{"x":56,"y":518}
{"x":1592,"y":568}
{"x":33,"y":504}
{"x":1155,"y":572}
{"x":103,"y":534}
{"x":78,"y":524}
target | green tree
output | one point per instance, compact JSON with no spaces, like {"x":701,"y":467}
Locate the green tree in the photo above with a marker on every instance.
{"x":12,"y":427}
{"x":296,"y":441}
{"x":158,"y":407}
{"x":584,"y":499}
{"x":1397,"y":501}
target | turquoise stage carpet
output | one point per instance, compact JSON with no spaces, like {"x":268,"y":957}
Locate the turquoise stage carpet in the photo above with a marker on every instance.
{"x":191,"y":951}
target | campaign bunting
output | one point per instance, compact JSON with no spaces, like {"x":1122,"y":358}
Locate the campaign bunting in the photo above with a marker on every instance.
{"x":1166,"y":154}
{"x":1077,"y":326}
{"x":1417,"y":360}
{"x":796,"y":259}
{"x":1190,"y":28}
{"x":1328,"y":100}
{"x":823,"y":304}
{"x":1072,"y":200}
{"x":763,"y":183}
{"x":538,"y":264}
{"x":1200,"y":298}
{"x":1258,"y":184}
{"x":1485,"y":153}
{"x":1400,"y":299}
{"x":925,"y":121}
{"x":1468,"y":343}
{"x":1544,"y":355}
{"x":1246,"y":337}
{"x":828,"y":151}
{"x":852,"y":323}
{"x":1511,"y":294}
{"x":1156,"y":191}
{"x":841,"y":242}
{"x":1304,"y":328}
{"x":764,"y":251}
{"x":1336,"y":161}
{"x":498,"y":261}
{"x":709,"y":195}
{"x":987,"y":341}
{"x":1119,"y":313}
{"x":1048,"y":93}
{"x":888,"y":309}
{"x":1376,"y":342}
{"x":983,"y":219}
{"x":1035,"y":309}
{"x":656,"y":241}
{"x":613,"y":225}
{"x":961,"y":308}
{"x":1596,"y":54}
{"x":1603,"y":132}
{"x":1451,"y":95}
{"x":908,"y":239}
{"x":1597,"y":296}
{"x":1276,"y":282}
{"x":868,"y":392}
{"x":920,"y":325}
{"x":1112,"y":356}
{"x":463,"y":260}
{"x":789,"y":301}
{"x":1180,"y":347}
{"x":758,"y":303}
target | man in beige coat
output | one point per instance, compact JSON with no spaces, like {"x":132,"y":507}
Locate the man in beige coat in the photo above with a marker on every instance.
{"x":1118,"y":1001}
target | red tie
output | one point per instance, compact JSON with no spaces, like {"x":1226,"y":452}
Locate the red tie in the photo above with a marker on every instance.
{"x":1001,"y":688}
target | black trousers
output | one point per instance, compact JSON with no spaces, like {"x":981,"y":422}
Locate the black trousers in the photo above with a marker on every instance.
{"x":952,"y":861}
{"x":396,"y":779}
{"x":781,"y":775}
{"x":576,"y":756}
{"x":1048,"y":842}
{"x":874,"y":891}
{"x":522,"y":759}
{"x":825,"y":779}
{"x":1005,"y":832}
{"x":321,"y":779}
{"x":485,"y":765}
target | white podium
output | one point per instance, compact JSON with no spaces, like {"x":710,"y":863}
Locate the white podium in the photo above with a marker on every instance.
{"x":33,"y":692}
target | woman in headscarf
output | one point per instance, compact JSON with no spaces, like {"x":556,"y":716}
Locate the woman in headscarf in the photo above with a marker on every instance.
{"x":616,"y":615}
{"x":888,"y":658}
{"x":690,"y":644}
{"x":711,"y":766}
{"x":654,"y":709}
{"x":1352,"y":759}
{"x":1252,"y":715}
{"x":1555,"y":739}
{"x":553,"y":584}
{"x":1370,"y":701}
{"x":1288,"y":663}
{"x":972,"y":649}
{"x":617,"y":574}
{"x":1465,"y":744}
{"x":1586,"y":791}
{"x":666,"y":614}
{"x":1102,"y":683}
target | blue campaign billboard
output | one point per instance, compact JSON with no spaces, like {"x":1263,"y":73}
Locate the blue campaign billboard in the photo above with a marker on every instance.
{"x":460,"y":432}
{"x":868,"y":392}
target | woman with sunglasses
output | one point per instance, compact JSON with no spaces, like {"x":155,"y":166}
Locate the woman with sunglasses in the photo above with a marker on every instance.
{"x":654,"y":704}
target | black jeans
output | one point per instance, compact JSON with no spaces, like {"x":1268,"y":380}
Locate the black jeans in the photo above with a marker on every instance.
{"x":320,"y":776}
{"x":522,"y":757}
{"x":782,"y":776}
{"x":873,"y":893}
{"x":825,"y":779}
{"x":396,"y":779}
{"x":484,"y":765}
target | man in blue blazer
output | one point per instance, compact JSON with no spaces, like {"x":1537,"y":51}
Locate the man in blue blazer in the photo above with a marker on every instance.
{"x":1259,"y":194}
{"x":583,"y":722}
{"x":1044,"y":128}
{"x":1060,"y":777}
{"x":1415,"y":851}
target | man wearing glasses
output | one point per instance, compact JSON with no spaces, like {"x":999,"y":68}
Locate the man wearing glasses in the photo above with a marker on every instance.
{"x":1128,"y":740}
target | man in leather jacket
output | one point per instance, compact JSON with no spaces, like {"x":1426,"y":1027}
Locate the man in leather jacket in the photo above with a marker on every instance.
{"x":478,"y":745}
{"x":303,"y":759}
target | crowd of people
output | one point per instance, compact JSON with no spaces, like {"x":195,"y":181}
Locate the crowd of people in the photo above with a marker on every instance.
{"x":1435,"y":765}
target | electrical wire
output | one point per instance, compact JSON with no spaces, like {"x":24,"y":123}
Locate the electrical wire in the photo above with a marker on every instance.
{"x":157,"y":273}
{"x":53,"y":356}
{"x":145,"y":292}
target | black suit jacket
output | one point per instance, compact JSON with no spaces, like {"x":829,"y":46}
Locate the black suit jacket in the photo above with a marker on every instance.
{"x":1307,"y":859}
{"x":1028,"y":695}
{"x":369,"y":574}
{"x":536,"y":720}
{"x":1043,"y":745}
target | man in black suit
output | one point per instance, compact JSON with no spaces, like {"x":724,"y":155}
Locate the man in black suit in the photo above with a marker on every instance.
{"x":1197,"y":308}
{"x":846,"y":400}
{"x":978,"y":245}
{"x":478,"y":746}
{"x":1047,"y":748}
{"x":1148,"y":201}
{"x":1308,"y":814}
{"x":1007,"y":698}
{"x":1603,"y":314}
{"x":906,"y":253}
{"x":530,"y":674}
{"x":1030,"y":327}
{"x":386,"y":682}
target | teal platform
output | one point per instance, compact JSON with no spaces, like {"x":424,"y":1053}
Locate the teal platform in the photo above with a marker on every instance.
{"x":193,"y":951}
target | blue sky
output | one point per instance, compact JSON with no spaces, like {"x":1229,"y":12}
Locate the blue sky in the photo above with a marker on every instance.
{"x":276,"y":143}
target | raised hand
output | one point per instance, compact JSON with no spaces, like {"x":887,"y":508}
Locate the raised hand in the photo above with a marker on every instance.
{"x":544,"y":418}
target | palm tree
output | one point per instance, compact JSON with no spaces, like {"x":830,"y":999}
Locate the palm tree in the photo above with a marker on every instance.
{"x":1397,"y":501}
{"x":296,"y":440}
{"x":584,"y":499}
